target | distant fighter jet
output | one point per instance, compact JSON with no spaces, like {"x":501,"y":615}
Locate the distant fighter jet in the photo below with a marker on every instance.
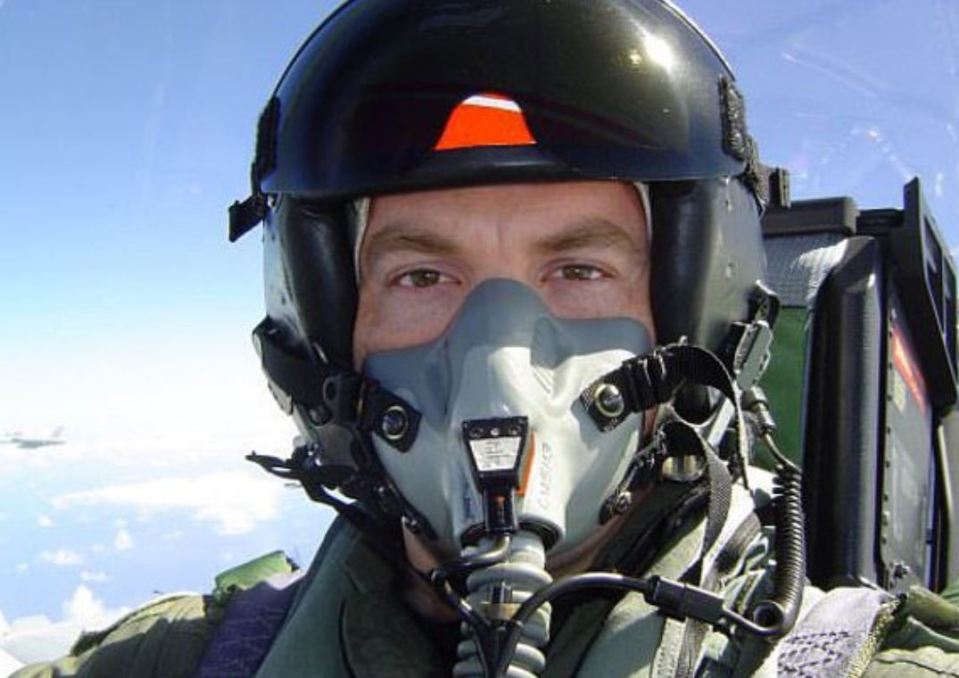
{"x":25,"y":443}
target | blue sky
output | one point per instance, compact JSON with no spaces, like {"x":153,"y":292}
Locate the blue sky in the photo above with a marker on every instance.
{"x":126,"y":129}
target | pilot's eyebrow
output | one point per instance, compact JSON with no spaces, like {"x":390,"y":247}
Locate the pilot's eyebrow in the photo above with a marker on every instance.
{"x":400,"y":236}
{"x":596,"y":232}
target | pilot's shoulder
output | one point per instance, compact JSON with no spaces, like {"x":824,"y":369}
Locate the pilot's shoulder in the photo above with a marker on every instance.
{"x":167,"y":636}
{"x":923,"y":639}
{"x":163,"y":637}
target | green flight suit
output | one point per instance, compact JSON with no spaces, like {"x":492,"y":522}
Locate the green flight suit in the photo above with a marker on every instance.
{"x":349,"y":618}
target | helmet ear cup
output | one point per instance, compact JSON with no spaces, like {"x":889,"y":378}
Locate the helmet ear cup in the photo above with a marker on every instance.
{"x":707,"y":252}
{"x":313,"y":251}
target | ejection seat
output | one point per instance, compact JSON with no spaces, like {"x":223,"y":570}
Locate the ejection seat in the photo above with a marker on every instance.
{"x":862,"y":383}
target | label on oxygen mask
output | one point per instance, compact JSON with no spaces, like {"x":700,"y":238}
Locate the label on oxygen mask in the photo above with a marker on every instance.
{"x":495,"y":454}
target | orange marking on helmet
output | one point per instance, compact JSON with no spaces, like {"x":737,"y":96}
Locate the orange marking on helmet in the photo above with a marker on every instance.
{"x":487,"y":119}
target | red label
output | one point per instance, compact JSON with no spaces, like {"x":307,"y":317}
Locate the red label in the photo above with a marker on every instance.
{"x":487,"y":119}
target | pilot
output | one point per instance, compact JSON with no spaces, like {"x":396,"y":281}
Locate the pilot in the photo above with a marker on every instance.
{"x":507,"y":246}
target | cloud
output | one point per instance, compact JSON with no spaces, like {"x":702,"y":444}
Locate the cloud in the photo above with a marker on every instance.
{"x":38,"y":638}
{"x":44,"y":521}
{"x":26,"y":624}
{"x":98,"y":577}
{"x":123,"y":541}
{"x":8,"y":663}
{"x":61,"y":557}
{"x":22,"y":568}
{"x":86,"y":609}
{"x":82,"y":609}
{"x":234,"y":502}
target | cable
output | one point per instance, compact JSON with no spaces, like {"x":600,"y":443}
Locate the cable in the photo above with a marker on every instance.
{"x":779,"y":613}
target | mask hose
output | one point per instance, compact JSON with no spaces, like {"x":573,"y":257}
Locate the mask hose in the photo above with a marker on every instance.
{"x":494,"y":593}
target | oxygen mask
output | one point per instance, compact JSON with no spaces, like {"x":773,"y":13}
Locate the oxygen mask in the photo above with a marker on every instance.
{"x":498,"y":394}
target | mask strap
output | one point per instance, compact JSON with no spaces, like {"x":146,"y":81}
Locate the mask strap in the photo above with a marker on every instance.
{"x":643,"y":382}
{"x":333,"y":395}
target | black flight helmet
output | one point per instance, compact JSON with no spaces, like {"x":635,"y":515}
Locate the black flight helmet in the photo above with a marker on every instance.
{"x":374,"y":102}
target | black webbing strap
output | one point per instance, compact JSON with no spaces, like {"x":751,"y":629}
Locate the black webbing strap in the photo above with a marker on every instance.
{"x":717,"y":513}
{"x":653,"y":379}
{"x":695,"y":631}
{"x":247,"y":214}
{"x":642,"y":382}
{"x":244,"y":216}
{"x":681,"y":439}
{"x":300,"y":469}
{"x":334,"y":395}
{"x":733,"y":550}
{"x":720,"y":499}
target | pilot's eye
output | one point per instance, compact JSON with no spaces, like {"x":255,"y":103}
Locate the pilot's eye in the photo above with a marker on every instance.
{"x":579,"y":272}
{"x":421,"y":277}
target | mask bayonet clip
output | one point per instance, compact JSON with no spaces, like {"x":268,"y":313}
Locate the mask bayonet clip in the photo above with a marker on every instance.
{"x":496,"y":449}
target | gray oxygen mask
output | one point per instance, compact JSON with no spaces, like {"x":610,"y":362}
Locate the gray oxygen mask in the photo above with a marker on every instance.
{"x":506,"y":357}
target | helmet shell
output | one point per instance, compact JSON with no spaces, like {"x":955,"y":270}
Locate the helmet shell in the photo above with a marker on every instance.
{"x":609,"y":89}
{"x":623,"y":89}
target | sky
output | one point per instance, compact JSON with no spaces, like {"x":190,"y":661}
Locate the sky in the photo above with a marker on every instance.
{"x":126,"y":128}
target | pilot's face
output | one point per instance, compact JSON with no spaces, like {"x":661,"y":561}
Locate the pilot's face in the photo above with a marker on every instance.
{"x":583,"y":246}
